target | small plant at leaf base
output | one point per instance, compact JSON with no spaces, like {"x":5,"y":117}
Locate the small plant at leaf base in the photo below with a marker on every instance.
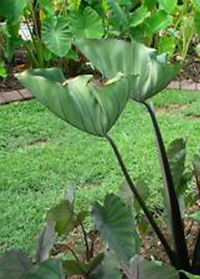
{"x":84,"y":259}
{"x":78,"y":259}
{"x":131,"y":71}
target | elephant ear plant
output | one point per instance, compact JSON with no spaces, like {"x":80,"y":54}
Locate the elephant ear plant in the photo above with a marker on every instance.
{"x":130,"y":70}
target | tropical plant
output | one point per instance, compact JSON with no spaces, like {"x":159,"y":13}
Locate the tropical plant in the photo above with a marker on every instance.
{"x":79,"y":259}
{"x":168,"y":25}
{"x":172,"y":163}
{"x":46,"y":28}
{"x":142,"y":74}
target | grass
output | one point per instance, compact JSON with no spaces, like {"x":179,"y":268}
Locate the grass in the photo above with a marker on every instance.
{"x":40,"y":156}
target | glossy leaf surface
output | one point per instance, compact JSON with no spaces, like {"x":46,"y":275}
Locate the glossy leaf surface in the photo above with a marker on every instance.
{"x":86,"y":23}
{"x":115,"y":223}
{"x":169,"y":5}
{"x":12,"y":9}
{"x":139,"y":16}
{"x":167,"y":45}
{"x":56,"y":35}
{"x":119,"y":15}
{"x":48,"y":7}
{"x":159,"y":21}
{"x":80,"y":101}
{"x":112,"y":56}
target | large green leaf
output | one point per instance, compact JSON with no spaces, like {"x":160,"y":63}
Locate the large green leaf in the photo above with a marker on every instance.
{"x":14,"y":265}
{"x":50,"y":269}
{"x":111,"y":56}
{"x":150,"y":4}
{"x":159,"y":21}
{"x":143,"y":269}
{"x":56,"y":35}
{"x":86,"y":23}
{"x":115,"y":223}
{"x":119,"y":15}
{"x":12,"y":9}
{"x":13,"y":40}
{"x":141,"y":34}
{"x":138,"y":16}
{"x":48,"y":7}
{"x":169,"y":5}
{"x":80,"y":101}
{"x":167,"y":44}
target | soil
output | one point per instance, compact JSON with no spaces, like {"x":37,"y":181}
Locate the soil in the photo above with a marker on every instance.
{"x":18,"y":64}
{"x":192,"y":69}
{"x":10,"y":83}
{"x":171,"y":109}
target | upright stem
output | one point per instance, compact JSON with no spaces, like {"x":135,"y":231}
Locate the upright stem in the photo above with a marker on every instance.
{"x":196,"y":256}
{"x":36,"y":19}
{"x":37,"y":38}
{"x":133,"y":188}
{"x":86,"y":242}
{"x":177,"y":224}
{"x":79,"y":263}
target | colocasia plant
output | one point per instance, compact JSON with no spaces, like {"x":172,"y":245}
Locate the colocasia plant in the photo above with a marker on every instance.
{"x":46,"y":28}
{"x":129,"y":71}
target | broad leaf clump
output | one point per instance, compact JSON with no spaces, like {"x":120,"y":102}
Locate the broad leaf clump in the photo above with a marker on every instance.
{"x":130,"y":70}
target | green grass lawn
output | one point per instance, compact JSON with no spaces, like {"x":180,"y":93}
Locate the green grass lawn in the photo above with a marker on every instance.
{"x":40,"y":156}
